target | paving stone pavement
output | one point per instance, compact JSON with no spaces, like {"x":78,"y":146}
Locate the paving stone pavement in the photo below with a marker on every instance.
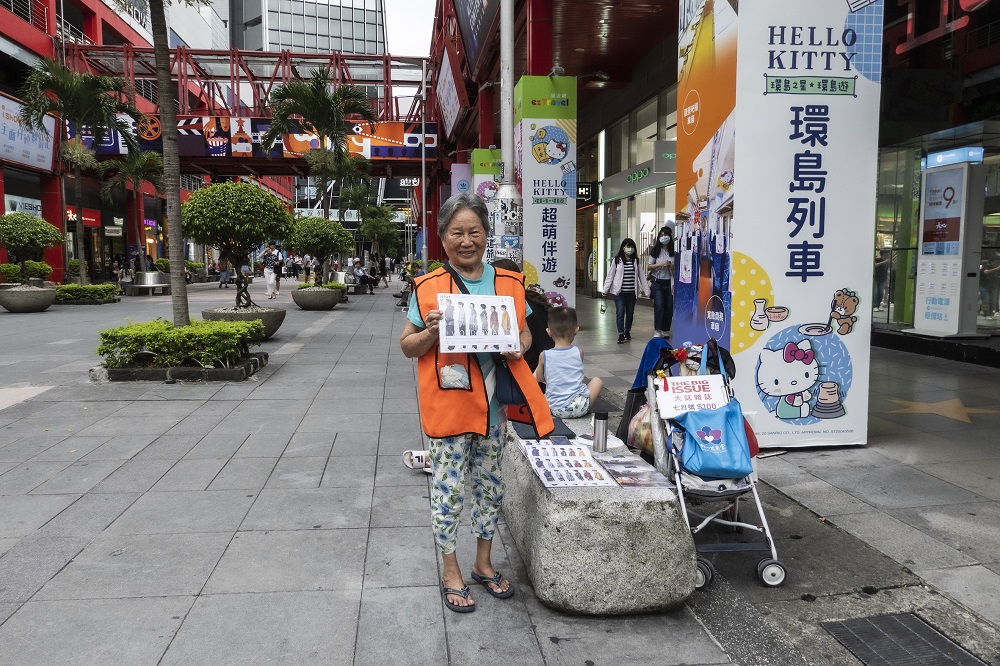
{"x":271,"y":521}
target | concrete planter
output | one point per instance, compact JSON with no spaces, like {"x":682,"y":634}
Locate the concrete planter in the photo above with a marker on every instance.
{"x":27,"y":300}
{"x":272,"y":317}
{"x":246,"y":368}
{"x":317,"y":299}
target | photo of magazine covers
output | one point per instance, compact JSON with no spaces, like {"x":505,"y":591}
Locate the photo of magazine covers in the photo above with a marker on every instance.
{"x":480,"y":324}
{"x":570,"y":466}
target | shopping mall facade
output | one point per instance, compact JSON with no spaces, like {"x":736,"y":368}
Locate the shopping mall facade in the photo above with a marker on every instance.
{"x":940,"y":90}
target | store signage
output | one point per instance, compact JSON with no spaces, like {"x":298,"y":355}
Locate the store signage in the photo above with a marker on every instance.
{"x":90,"y":217}
{"x":636,"y":176}
{"x":409,"y":182}
{"x":15,"y":204}
{"x":545,"y":109}
{"x":21,"y":146}
{"x":586,"y":194}
{"x":640,"y":178}
{"x":475,"y":22}
{"x":461,"y":178}
{"x":450,"y":101}
{"x":973,"y":154}
{"x":948,"y":22}
{"x":665,"y":157}
{"x":113,"y":232}
{"x":149,"y":224}
{"x":487,"y":169}
{"x":118,"y":221}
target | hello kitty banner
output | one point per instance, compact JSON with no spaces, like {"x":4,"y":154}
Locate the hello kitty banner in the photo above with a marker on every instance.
{"x":804,"y":141}
{"x":545,"y":172}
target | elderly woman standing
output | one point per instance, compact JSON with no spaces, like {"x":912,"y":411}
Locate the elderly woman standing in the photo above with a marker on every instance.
{"x":458,"y":410}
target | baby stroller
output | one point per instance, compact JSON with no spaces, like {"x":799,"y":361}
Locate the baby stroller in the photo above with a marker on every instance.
{"x":717,"y":497}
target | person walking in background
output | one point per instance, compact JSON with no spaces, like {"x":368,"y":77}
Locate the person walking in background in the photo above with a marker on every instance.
{"x":383,"y":270}
{"x":625,"y":282}
{"x":661,"y":266}
{"x":279,"y":266}
{"x":268,"y":260}
{"x":307,"y":265}
{"x":314,"y":265}
{"x":223,"y":272}
{"x":881,"y":276}
{"x":459,"y":415}
{"x":561,"y":368}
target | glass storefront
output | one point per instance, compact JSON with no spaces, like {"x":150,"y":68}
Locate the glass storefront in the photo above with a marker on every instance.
{"x":627,"y":209}
{"x":898,"y":211}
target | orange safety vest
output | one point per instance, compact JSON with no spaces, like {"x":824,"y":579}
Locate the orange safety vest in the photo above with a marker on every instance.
{"x":447,"y":412}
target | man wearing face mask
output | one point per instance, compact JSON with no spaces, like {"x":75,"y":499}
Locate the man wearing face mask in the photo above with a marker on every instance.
{"x":661,"y":266}
{"x":626,"y":280}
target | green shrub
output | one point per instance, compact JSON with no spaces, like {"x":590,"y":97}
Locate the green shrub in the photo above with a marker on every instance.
{"x":10,"y":272}
{"x":38,"y":269}
{"x":86,"y":292}
{"x":327,"y":285}
{"x":74,"y":267}
{"x":163,"y":265}
{"x":158,"y":344}
{"x":193,"y":265}
{"x":434,"y":265}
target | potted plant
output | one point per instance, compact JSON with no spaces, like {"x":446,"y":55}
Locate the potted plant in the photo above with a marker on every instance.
{"x":319,"y":297}
{"x":237,"y":217}
{"x":320,"y":237}
{"x":25,"y":236}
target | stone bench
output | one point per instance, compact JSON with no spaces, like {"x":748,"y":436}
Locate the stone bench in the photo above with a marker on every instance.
{"x":352,"y":287}
{"x":598,"y":551}
{"x":148,"y":289}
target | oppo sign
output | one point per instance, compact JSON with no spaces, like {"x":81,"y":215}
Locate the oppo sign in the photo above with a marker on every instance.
{"x":636,"y":176}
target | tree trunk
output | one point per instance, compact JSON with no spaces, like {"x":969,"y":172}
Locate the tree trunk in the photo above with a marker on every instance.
{"x":83,"y":276}
{"x":243,"y":299}
{"x":171,"y":162}
{"x":140,"y":236}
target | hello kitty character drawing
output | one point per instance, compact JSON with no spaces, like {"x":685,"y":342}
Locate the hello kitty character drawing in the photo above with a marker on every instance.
{"x":789,"y":374}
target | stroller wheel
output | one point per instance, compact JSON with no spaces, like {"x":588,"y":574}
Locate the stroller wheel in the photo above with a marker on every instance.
{"x":704,"y":574}
{"x":771,"y":572}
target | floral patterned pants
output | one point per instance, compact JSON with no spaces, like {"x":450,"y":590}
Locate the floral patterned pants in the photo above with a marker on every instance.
{"x":452,"y":458}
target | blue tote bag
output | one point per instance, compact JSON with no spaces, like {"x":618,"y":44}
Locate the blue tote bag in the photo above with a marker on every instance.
{"x":715,"y":442}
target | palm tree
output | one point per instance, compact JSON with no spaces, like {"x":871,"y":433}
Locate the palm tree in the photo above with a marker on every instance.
{"x":84,"y":100}
{"x":167,"y":96}
{"x":136,"y":169}
{"x":323,"y":109}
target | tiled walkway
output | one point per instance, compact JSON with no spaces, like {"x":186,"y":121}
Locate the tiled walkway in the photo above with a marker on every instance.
{"x":271,"y":521}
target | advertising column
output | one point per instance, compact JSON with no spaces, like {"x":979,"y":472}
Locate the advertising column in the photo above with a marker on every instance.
{"x":947,"y":282}
{"x":545,"y":170}
{"x":806,"y":149}
{"x":487,"y":168}
{"x":706,"y":99}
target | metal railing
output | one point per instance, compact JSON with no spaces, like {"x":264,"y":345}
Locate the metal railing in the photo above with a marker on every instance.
{"x":33,"y":11}
{"x":982,"y":36}
{"x":67,"y":32}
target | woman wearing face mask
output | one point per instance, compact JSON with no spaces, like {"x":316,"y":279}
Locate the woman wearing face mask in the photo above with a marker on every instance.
{"x":661,"y":266}
{"x":625,"y":281}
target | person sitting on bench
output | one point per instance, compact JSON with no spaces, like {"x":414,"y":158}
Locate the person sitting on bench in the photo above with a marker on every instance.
{"x":362,"y":276}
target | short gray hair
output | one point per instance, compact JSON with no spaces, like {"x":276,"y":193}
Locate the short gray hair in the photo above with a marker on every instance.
{"x":458,"y":203}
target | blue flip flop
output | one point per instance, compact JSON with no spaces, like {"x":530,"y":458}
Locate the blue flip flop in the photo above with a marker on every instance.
{"x":496,"y":579}
{"x":464,"y":593}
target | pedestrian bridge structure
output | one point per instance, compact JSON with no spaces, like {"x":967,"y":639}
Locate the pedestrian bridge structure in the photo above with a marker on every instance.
{"x":223,"y":108}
